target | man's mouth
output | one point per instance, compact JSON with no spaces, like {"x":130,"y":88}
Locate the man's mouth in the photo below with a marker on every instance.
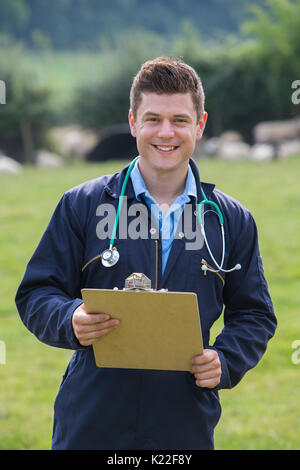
{"x":166,"y":148}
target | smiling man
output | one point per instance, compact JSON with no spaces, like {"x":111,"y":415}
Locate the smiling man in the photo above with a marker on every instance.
{"x":166,"y":128}
{"x":103,"y":408}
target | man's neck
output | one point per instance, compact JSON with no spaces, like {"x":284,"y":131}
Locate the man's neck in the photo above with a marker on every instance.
{"x":164,"y":186}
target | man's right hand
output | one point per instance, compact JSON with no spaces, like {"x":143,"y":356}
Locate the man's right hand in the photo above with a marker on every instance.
{"x":90,"y":327}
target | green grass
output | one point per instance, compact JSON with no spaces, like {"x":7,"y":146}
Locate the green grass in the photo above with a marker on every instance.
{"x":263,"y":411}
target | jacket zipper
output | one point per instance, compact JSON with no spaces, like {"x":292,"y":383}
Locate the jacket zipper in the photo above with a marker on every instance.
{"x":203,"y":261}
{"x":156,"y":264}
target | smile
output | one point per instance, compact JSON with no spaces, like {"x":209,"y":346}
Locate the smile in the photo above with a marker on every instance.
{"x":166,"y":148}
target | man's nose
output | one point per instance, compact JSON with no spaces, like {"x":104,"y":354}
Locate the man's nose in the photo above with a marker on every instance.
{"x":166,"y":130}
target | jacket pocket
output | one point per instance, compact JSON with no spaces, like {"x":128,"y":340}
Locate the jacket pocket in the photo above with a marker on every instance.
{"x":70,"y":368}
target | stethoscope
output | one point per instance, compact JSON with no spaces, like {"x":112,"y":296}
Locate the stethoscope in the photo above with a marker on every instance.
{"x":111,"y":256}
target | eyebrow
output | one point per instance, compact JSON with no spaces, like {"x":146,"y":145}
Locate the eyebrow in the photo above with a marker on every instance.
{"x":186,"y":116}
{"x":183,"y":116}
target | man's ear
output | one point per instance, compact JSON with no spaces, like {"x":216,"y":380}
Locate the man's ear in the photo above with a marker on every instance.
{"x":201,"y":126}
{"x":132,"y":123}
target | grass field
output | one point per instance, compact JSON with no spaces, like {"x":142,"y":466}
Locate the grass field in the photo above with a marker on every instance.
{"x":263,"y":411}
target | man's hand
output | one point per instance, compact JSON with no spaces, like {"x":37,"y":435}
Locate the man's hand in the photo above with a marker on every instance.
{"x":206,"y":368}
{"x":90,"y":327}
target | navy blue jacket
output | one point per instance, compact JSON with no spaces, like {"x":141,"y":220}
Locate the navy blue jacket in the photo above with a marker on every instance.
{"x":144,"y":409}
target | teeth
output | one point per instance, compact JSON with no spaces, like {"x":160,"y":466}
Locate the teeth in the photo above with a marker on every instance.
{"x":165,"y":149}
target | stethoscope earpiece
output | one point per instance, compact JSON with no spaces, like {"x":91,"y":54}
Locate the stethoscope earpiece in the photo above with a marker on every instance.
{"x":205,"y":268}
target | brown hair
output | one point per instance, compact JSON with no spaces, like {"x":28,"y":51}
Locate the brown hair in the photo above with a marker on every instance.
{"x":164,"y":75}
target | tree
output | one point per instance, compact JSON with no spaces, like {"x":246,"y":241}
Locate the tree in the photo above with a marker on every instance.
{"x":14,"y":16}
{"x":26,"y":114}
{"x":106,"y":102}
{"x":277,"y":43}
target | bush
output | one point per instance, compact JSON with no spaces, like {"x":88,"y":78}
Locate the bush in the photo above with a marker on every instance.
{"x":26,"y":114}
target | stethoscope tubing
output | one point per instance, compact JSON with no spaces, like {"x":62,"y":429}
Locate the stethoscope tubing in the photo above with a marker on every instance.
{"x":110,"y":256}
{"x":221,"y":220}
{"x":123,"y":189}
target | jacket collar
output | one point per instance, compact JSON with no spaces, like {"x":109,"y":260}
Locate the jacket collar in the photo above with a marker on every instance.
{"x":114,"y":185}
{"x":207,"y":187}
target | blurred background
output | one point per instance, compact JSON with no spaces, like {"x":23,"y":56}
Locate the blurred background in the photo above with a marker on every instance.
{"x":66,"y":68}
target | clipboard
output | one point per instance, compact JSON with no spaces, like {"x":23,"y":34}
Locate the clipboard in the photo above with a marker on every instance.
{"x":158,"y":330}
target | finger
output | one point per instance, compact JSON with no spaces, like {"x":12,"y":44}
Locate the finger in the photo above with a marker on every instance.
{"x":90,"y":318}
{"x":89,"y":327}
{"x":213,"y":365}
{"x":207,"y":356}
{"x":94,"y":336}
{"x":93,"y":318}
{"x":208,"y":383}
{"x":96,"y":330}
{"x":207,"y":375}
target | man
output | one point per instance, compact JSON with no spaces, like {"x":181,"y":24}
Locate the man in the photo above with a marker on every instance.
{"x":145,"y":409}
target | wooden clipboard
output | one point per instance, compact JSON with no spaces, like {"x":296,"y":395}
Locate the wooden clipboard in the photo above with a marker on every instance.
{"x":158,"y":330}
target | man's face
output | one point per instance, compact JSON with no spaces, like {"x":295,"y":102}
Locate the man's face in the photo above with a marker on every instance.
{"x":166,"y":130}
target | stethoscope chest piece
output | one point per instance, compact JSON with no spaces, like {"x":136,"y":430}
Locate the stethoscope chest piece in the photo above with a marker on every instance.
{"x":110,"y":257}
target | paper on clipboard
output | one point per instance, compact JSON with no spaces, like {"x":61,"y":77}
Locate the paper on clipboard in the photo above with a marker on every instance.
{"x":158,"y":330}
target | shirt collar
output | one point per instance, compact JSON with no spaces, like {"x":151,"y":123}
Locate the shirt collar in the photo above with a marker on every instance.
{"x":141,"y":189}
{"x":113,"y":183}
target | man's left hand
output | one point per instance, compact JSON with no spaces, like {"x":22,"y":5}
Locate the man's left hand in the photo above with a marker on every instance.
{"x":206,"y":368}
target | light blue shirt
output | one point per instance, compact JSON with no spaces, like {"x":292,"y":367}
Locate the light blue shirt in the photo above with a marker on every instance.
{"x":167,"y":223}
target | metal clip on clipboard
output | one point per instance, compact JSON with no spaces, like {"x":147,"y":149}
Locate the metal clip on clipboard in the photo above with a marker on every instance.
{"x":139,"y":282}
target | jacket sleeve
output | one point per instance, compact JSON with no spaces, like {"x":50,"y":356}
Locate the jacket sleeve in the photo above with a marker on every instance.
{"x":50,"y":290}
{"x":249,"y":319}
